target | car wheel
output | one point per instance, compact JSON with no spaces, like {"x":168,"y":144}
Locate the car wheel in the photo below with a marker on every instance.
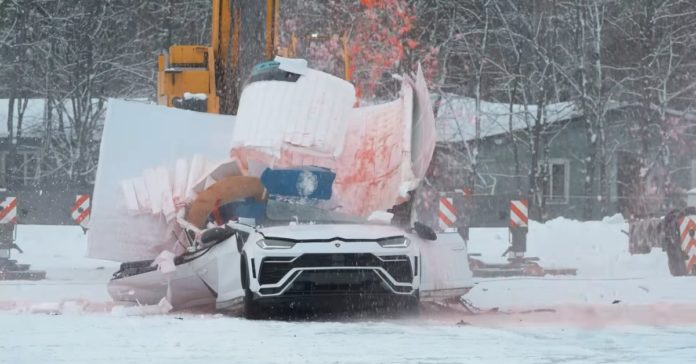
{"x":252,"y":309}
{"x":410,"y":305}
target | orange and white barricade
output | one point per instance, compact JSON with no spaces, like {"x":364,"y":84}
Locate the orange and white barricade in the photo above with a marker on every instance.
{"x":8,"y":214}
{"x":519,"y":214}
{"x":519,"y":224}
{"x":447,"y":214}
{"x":687,"y":232}
{"x":81,"y":210}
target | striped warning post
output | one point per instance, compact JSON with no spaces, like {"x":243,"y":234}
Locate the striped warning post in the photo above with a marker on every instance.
{"x":81,"y":209}
{"x":518,"y":213}
{"x":687,"y":230}
{"x":8,"y":214}
{"x":447,"y":214}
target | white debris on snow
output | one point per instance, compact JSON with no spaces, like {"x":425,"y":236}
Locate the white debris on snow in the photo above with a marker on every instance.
{"x":163,"y":307}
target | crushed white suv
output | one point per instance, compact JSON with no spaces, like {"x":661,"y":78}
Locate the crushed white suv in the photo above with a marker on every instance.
{"x":305,"y":256}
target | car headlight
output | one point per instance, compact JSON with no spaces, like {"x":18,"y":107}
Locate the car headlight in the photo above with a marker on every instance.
{"x":396,"y":242}
{"x":275,"y":244}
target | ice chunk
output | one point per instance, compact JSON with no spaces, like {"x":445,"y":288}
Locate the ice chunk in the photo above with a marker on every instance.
{"x":297,"y":66}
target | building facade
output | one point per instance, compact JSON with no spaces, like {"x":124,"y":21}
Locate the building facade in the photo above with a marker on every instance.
{"x":639,"y":176}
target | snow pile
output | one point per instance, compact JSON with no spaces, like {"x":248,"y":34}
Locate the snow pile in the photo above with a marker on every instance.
{"x":49,"y":247}
{"x":598,"y":249}
{"x":607,"y":274}
{"x":72,"y":279}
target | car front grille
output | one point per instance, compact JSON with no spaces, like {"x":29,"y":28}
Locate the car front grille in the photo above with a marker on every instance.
{"x":336,"y":282}
{"x":273,"y":269}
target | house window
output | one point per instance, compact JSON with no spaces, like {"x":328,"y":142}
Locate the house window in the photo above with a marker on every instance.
{"x":559,"y":181}
{"x":25,"y":169}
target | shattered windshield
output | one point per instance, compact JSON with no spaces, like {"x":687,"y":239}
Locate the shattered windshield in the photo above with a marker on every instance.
{"x":279,"y":212}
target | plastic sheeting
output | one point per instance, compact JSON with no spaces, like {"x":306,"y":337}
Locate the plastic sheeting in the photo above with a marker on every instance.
{"x":140,"y":143}
{"x":384,"y":151}
{"x":311,"y":113}
{"x":154,"y":157}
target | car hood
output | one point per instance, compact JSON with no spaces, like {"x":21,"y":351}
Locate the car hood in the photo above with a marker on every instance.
{"x":330,"y":231}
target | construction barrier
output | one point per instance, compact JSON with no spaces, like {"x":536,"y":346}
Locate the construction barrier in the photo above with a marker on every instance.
{"x":8,"y":214}
{"x":447,"y":214}
{"x":81,"y":210}
{"x":519,"y":215}
{"x":687,"y":230}
{"x":519,"y":223}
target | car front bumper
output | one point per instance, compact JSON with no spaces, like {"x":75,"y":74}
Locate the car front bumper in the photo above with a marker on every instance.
{"x":310,"y":271}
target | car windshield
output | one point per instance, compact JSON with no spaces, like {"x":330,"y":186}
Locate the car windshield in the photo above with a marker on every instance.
{"x":280,"y":212}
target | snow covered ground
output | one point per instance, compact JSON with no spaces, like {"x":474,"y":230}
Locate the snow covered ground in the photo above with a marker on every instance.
{"x":214,"y":339}
{"x":618,"y":309}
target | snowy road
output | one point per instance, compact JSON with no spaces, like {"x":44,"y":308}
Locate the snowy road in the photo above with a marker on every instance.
{"x":96,"y":338}
{"x":619,"y":309}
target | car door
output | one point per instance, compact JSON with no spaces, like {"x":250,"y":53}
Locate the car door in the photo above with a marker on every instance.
{"x":221,"y":268}
{"x":445,"y":272}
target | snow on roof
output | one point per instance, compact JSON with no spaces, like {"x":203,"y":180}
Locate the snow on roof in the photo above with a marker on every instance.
{"x":32,"y":122}
{"x":456,"y":117}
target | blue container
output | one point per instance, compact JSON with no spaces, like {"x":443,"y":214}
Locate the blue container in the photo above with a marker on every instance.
{"x":305,"y":182}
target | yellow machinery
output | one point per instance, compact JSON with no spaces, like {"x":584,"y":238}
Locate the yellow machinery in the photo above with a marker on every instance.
{"x":205,"y":78}
{"x":201,"y":78}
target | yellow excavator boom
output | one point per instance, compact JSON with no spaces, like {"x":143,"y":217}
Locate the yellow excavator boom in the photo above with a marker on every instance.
{"x":202,"y":78}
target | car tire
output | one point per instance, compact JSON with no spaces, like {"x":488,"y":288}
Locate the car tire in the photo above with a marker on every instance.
{"x":410,"y":305}
{"x":252,"y":309}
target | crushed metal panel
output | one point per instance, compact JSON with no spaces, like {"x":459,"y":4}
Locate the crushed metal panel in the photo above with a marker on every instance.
{"x":445,"y":268}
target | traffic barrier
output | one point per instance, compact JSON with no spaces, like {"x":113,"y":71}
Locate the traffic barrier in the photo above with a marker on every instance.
{"x":8,"y":214}
{"x":81,"y":210}
{"x":687,"y":231}
{"x":519,"y":216}
{"x":447,"y":214}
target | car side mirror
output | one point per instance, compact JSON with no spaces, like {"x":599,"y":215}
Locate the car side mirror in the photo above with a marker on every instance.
{"x":216,"y":234}
{"x":424,"y":231}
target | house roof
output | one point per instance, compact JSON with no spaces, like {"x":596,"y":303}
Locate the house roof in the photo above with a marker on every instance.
{"x":456,"y":117}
